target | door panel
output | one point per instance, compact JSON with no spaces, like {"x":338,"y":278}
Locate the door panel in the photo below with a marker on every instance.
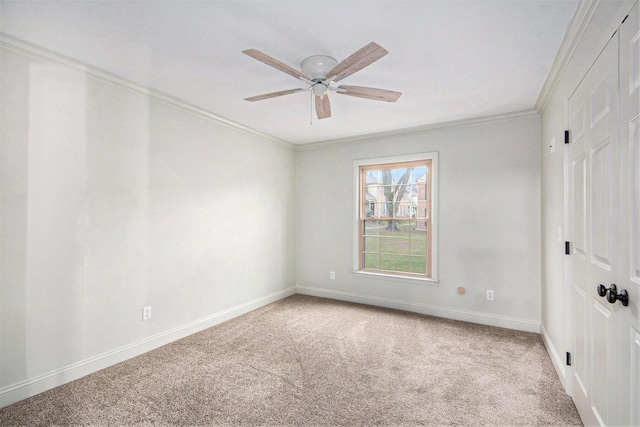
{"x":578,"y":121}
{"x":594,"y":198}
{"x":634,"y":395}
{"x":600,"y":206}
{"x":580,"y":204}
{"x":629,"y":237}
{"x":601,"y":100}
{"x":634,"y":223}
{"x":581,"y":352}
{"x":602,"y":329}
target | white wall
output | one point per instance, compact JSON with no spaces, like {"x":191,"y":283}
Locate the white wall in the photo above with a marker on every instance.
{"x":111,"y":200}
{"x":596,"y":24}
{"x":489,"y":222}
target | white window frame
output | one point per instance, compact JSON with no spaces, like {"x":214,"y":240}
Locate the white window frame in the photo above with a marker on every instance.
{"x":433,"y":280}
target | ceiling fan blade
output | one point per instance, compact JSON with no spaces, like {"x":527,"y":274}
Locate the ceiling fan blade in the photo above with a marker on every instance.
{"x":274,"y":94}
{"x":263,"y":57}
{"x":323,"y":107}
{"x":369,"y":93}
{"x":357,"y":61}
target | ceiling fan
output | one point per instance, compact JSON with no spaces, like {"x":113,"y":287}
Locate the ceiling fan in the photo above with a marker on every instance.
{"x":320,"y":72}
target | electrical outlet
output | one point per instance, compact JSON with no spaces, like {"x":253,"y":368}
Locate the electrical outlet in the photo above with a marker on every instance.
{"x":332,"y":275}
{"x":146,"y":313}
{"x":489,"y":295}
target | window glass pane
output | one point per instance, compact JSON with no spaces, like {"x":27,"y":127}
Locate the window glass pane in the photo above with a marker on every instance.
{"x":421,"y":191}
{"x":401,"y":175}
{"x":395,"y":244}
{"x":418,"y":173}
{"x":403,"y":227}
{"x":401,"y":263}
{"x":372,"y":176}
{"x":381,"y":209}
{"x":403,"y":209}
{"x":371,"y":261}
{"x":385,"y":262}
{"x":371,"y":244}
{"x":385,"y":244}
{"x":421,"y":201}
{"x":371,"y":228}
{"x":418,"y":265}
{"x":369,"y":209}
{"x":418,"y":240}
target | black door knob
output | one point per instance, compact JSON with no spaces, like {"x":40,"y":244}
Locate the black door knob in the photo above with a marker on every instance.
{"x":602,"y":291}
{"x":612,"y":292}
{"x":613,"y":295}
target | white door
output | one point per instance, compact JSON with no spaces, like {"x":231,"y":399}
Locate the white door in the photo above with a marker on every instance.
{"x":594,"y":205}
{"x":630,"y":218}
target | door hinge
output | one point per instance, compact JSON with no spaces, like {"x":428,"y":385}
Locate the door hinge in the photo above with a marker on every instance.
{"x":568,"y":359}
{"x":566,"y":136}
{"x":567,"y":248}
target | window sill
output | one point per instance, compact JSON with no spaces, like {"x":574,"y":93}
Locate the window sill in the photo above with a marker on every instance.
{"x":396,"y":278}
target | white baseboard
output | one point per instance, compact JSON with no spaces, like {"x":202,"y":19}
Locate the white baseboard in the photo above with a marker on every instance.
{"x":44,"y":382}
{"x":557,"y":360}
{"x":432,"y":310}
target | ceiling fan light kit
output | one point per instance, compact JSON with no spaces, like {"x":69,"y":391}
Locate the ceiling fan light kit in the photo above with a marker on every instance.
{"x":319,"y":72}
{"x":319,"y":89}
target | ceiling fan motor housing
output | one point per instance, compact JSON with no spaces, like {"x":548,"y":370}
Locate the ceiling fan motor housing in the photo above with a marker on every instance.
{"x":316,"y":67}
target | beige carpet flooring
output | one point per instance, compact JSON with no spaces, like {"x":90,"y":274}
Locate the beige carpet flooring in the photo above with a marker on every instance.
{"x":312,"y":361}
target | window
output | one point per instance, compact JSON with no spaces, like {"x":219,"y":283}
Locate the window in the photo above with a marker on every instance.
{"x":395,"y":227}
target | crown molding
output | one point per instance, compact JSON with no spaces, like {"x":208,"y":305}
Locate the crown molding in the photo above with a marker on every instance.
{"x":420,"y":129}
{"x":46,"y":55}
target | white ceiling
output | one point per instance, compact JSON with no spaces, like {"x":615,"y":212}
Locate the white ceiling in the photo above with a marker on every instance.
{"x":451,"y":59}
